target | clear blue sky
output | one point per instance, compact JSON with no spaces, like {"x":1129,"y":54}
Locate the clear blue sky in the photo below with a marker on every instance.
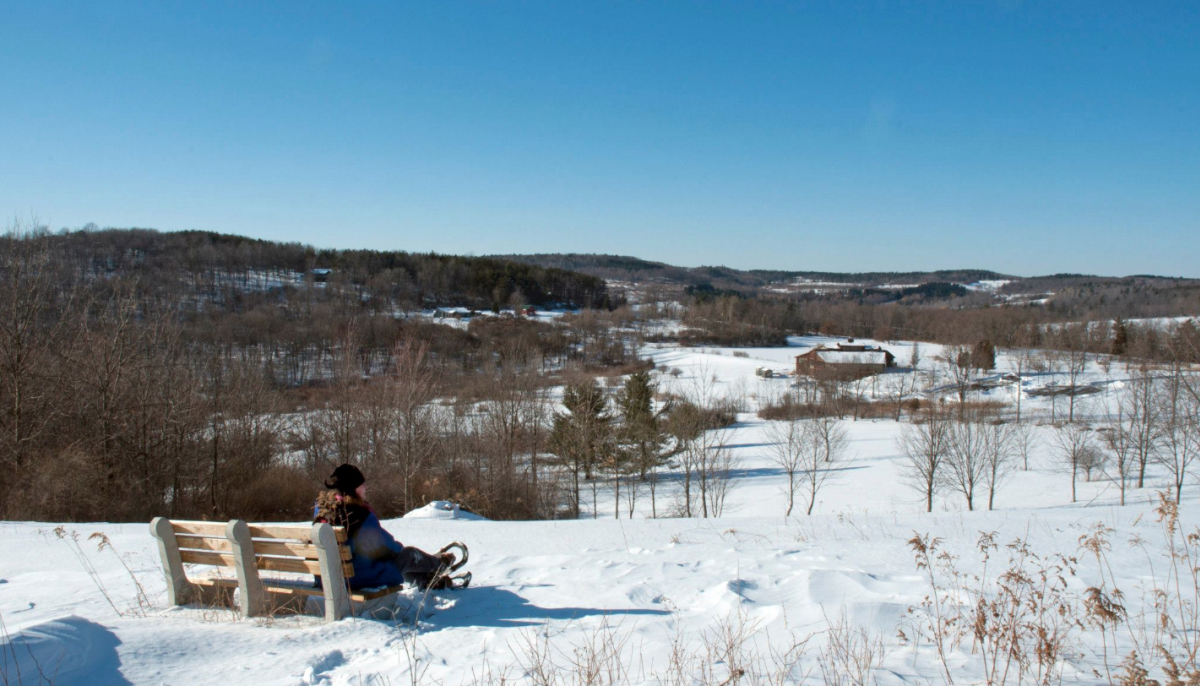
{"x":1026,"y":137}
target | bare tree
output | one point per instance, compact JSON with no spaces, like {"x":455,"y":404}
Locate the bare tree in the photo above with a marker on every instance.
{"x":788,"y":452}
{"x":1023,"y":360}
{"x":966,"y":459}
{"x":907,"y":386}
{"x":28,"y":293}
{"x":718,"y":478}
{"x":1000,"y":451}
{"x":1140,"y":416}
{"x":702,"y":456}
{"x":1025,"y":442}
{"x":955,"y":360}
{"x":106,"y":353}
{"x":702,"y":444}
{"x":1076,"y":449}
{"x":410,"y":390}
{"x":925,"y":443}
{"x":1118,"y":440}
{"x":633,"y":488}
{"x":1049,"y":362}
{"x":805,"y":450}
{"x":1075,"y":359}
{"x":1180,"y":444}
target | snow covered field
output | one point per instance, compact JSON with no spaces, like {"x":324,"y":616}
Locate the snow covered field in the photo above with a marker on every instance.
{"x":644,"y":589}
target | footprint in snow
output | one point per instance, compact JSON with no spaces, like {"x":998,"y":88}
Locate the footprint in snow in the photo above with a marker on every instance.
{"x":740,"y":586}
{"x":316,"y":671}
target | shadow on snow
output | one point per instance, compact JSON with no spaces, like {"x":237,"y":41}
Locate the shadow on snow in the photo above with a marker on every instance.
{"x":489,"y":606}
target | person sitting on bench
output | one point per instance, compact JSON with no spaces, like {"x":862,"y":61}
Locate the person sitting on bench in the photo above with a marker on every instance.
{"x":378,"y":558}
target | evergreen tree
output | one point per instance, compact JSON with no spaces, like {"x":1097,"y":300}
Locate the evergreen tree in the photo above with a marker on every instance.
{"x":983,"y":355}
{"x":1120,"y":342}
{"x":643,"y":444}
{"x":580,"y":434}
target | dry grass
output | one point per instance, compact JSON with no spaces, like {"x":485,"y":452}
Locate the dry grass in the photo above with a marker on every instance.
{"x":851,"y":653}
{"x":1023,"y":621}
{"x":141,"y":605}
{"x":724,"y":655}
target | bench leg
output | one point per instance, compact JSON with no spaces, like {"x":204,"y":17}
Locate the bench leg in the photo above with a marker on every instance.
{"x":337,"y":598}
{"x":179,"y":590}
{"x":253,"y":599}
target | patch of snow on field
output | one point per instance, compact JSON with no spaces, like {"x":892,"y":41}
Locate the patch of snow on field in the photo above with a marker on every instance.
{"x":987,"y":284}
{"x":443,"y":509}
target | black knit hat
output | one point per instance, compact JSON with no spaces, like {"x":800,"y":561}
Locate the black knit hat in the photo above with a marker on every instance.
{"x":346,"y":478}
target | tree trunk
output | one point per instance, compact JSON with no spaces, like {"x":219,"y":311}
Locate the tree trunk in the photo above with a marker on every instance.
{"x":1074,"y":476}
{"x":791,"y":494}
{"x":616,"y":494}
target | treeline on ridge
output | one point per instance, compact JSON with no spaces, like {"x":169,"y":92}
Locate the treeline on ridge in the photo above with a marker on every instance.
{"x":394,"y":279}
{"x":197,"y":375}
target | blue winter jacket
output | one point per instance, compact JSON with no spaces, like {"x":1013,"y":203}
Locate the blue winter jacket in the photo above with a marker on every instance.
{"x":372,"y":548}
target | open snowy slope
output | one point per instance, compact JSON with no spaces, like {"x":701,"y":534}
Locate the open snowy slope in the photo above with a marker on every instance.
{"x":653,"y":586}
{"x":650,"y":581}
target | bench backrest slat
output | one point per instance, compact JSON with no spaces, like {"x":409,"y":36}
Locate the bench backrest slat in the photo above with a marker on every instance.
{"x":305,"y":551}
{"x":292,"y":532}
{"x":289,"y":532}
{"x":209,"y":529}
{"x":290,"y":564}
{"x":215,"y":545}
{"x":199,"y":557}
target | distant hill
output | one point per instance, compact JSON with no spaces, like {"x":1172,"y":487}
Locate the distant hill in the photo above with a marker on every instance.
{"x":213,"y":262}
{"x":1074,"y":295}
{"x":636,"y":270}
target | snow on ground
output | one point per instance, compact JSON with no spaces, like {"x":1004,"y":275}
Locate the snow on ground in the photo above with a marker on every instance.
{"x":987,"y":285}
{"x":443,"y":509}
{"x":650,"y":582}
{"x":460,"y":317}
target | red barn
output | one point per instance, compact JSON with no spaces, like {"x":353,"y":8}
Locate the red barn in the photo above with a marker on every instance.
{"x":845,"y":361}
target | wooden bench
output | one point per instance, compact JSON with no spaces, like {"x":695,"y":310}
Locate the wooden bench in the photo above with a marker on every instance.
{"x":319,"y":549}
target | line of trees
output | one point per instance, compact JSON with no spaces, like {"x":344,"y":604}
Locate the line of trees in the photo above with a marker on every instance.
{"x":626,"y":440}
{"x":123,"y":397}
{"x":1157,"y":422}
{"x":974,"y":451}
{"x":228,"y":269}
{"x":765,"y":320}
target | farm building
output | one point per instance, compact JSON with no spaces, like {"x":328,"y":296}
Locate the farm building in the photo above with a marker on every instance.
{"x":845,"y":361}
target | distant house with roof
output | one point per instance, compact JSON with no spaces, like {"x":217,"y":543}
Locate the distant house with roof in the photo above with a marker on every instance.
{"x":844,"y":361}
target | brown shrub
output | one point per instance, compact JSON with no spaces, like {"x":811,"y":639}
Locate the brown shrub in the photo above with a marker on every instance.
{"x":788,"y":408}
{"x":279,"y":493}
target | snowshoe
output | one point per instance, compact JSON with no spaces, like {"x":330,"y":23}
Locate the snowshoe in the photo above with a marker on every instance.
{"x":458,"y":581}
{"x":448,"y":579}
{"x":458,"y":564}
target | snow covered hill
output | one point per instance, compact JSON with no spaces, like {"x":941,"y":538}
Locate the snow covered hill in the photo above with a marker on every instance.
{"x":640,"y":600}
